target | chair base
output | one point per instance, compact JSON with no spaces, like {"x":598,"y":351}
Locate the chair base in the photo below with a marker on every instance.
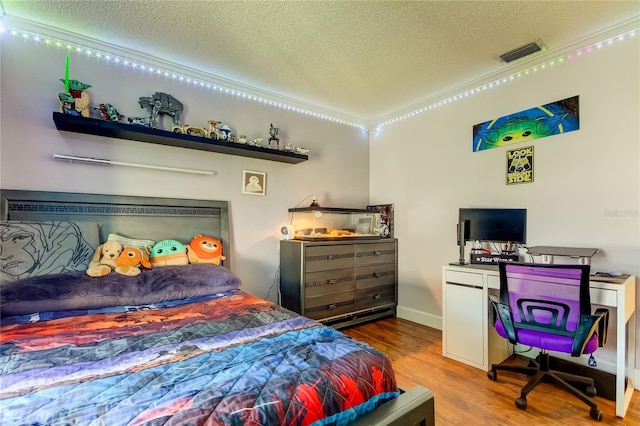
{"x":540,"y":373}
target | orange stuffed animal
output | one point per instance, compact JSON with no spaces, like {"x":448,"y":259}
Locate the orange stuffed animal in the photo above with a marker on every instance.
{"x":130,"y":261}
{"x":203,"y":249}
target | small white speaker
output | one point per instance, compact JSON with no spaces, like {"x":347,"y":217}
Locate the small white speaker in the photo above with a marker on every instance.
{"x":287,"y":232}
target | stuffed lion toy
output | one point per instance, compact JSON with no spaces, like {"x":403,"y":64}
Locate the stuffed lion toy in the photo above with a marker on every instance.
{"x":203,"y":249}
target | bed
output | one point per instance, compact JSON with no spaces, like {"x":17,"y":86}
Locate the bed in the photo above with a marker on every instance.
{"x":174,"y":345}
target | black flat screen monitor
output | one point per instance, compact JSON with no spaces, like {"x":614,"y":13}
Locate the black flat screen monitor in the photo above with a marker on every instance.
{"x":498,"y":225}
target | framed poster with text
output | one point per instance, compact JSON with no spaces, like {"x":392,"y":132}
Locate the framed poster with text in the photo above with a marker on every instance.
{"x":520,"y":166}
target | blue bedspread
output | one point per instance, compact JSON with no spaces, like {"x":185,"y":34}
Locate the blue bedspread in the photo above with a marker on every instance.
{"x":223,"y":359}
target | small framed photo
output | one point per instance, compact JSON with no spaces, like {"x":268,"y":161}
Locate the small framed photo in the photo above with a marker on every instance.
{"x":254,"y":183}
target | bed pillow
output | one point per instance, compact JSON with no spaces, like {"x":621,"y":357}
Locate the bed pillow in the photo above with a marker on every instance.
{"x":41,"y":248}
{"x":77,"y":290}
{"x":132,"y":242}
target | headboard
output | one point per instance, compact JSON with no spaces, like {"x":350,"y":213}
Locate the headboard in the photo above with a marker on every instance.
{"x":152,"y":218}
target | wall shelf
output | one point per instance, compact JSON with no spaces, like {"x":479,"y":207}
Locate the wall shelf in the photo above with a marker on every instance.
{"x":92,"y":126}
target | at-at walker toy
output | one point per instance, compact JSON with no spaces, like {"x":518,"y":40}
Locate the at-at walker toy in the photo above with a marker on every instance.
{"x":162,"y":103}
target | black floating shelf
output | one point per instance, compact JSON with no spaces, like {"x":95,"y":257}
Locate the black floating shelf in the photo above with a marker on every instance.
{"x":112,"y":129}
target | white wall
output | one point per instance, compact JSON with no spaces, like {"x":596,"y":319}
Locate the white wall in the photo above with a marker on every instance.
{"x":586,"y":191}
{"x":337,"y":171}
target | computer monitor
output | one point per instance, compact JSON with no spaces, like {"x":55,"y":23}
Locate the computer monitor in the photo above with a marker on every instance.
{"x":489,"y":224}
{"x":495,"y":225}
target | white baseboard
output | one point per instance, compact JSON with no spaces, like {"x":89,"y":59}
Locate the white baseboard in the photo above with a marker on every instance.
{"x":419,"y":317}
{"x":636,"y":382}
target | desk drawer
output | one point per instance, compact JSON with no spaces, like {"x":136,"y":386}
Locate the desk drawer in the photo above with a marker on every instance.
{"x":465,"y":278}
{"x":493,"y":281}
{"x":324,"y":258}
{"x":604,"y":297}
{"x":373,"y":254}
{"x":328,"y":282}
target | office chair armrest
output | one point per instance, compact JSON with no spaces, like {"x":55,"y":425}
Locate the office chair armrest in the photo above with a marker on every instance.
{"x":603,"y":325}
{"x":588,"y":324}
{"x":504,"y":312}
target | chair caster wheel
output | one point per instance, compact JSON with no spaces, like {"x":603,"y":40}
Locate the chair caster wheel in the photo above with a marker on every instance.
{"x":521,"y":403}
{"x":596,"y":414}
{"x":492,"y":375}
{"x":591,"y":391}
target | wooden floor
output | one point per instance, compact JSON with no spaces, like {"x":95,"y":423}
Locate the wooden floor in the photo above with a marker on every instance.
{"x":465,"y":396}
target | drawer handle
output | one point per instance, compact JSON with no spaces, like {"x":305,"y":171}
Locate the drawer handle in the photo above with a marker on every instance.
{"x":331,"y":306}
{"x":330,"y":257}
{"x":332,"y":282}
{"x":376,"y":275}
{"x":378,"y":252}
{"x":376,"y":297}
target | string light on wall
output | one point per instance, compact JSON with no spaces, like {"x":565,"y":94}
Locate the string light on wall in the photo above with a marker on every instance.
{"x":515,"y":76}
{"x":218,"y":88}
{"x":176,"y":76}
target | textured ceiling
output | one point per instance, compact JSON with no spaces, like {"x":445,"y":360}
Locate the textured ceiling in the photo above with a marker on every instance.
{"x":364,"y":59}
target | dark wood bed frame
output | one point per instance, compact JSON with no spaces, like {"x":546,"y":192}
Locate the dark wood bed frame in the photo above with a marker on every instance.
{"x":180,"y":219}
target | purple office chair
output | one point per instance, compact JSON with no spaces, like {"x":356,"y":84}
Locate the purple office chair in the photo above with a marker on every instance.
{"x":548,"y":307}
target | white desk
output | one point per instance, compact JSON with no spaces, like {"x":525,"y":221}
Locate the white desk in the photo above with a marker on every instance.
{"x":468,"y":337}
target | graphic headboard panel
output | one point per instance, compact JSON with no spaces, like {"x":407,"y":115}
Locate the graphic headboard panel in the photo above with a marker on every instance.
{"x":152,"y":218}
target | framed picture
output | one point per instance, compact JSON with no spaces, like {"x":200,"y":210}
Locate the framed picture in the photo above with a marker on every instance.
{"x":384,"y":222}
{"x":254,"y":183}
{"x":520,"y":165}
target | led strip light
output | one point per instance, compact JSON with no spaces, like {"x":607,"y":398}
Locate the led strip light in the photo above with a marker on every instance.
{"x":139,"y":66}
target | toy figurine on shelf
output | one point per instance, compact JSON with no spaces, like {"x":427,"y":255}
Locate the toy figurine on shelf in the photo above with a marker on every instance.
{"x":74,"y":99}
{"x":214,"y":132}
{"x":139,"y":121}
{"x":225,"y":131}
{"x":162,"y":103}
{"x":274,"y":140}
{"x":292,"y":148}
{"x":255,"y":142}
{"x":108,"y":112}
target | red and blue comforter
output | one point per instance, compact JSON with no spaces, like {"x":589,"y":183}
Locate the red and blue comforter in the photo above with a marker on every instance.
{"x":223,"y":359}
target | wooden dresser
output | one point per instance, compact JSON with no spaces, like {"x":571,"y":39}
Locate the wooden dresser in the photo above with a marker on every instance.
{"x":340,"y":283}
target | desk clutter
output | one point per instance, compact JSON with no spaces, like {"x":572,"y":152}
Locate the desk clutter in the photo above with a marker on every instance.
{"x":609,"y":277}
{"x":480,"y":257}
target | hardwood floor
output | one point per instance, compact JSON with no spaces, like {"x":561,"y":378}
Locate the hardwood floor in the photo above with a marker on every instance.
{"x":464,"y":395}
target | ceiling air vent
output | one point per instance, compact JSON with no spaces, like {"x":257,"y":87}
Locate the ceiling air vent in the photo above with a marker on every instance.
{"x":521,"y":52}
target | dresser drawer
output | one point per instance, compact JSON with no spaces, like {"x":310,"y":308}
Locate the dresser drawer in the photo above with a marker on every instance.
{"x":371,"y":254}
{"x":375,"y":296}
{"x":375,"y":275}
{"x":324,"y":258}
{"x":327,"y":282}
{"x":329,"y":305}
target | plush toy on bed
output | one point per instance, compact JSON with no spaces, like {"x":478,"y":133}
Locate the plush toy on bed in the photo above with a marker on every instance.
{"x":104,"y":259}
{"x":203,"y":249}
{"x":169,"y":252}
{"x":131,"y":260}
